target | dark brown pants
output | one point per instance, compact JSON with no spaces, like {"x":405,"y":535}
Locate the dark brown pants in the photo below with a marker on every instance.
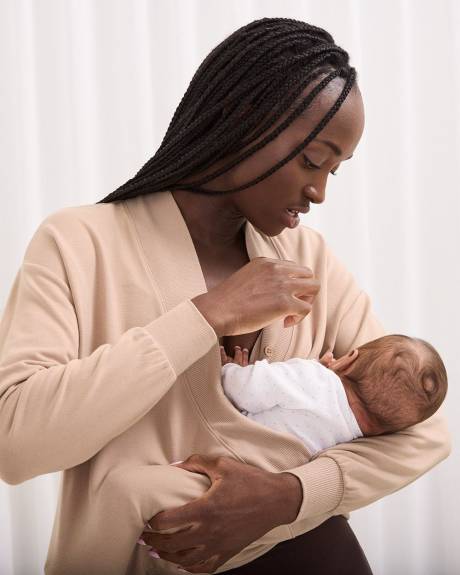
{"x":330,"y":549}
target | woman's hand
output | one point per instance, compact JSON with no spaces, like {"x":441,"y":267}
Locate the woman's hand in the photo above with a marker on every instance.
{"x":260,"y":292}
{"x":243,"y":503}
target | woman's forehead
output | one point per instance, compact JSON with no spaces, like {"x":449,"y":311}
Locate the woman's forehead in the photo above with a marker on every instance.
{"x":345,"y":128}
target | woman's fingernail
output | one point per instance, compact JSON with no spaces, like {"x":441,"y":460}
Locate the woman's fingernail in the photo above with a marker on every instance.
{"x":154,"y":554}
{"x":141,"y":541}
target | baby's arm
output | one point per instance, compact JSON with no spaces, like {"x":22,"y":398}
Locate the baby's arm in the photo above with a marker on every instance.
{"x":252,"y":387}
{"x":262,"y":386}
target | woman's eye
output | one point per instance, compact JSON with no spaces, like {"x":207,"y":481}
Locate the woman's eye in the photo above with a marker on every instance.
{"x":309,"y":164}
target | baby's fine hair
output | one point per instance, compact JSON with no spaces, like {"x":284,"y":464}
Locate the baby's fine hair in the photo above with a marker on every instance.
{"x":412,"y":376}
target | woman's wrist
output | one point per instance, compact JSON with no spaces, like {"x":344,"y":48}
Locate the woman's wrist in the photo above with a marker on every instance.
{"x":201,"y":302}
{"x":289,"y":502}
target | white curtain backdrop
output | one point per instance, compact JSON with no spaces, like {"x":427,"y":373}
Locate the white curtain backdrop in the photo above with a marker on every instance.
{"x":87,"y":91}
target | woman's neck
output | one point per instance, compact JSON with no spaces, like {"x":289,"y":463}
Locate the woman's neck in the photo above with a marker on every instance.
{"x":214,"y":223}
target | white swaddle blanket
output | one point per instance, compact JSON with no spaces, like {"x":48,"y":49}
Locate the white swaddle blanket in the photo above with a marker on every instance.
{"x":298,"y":396}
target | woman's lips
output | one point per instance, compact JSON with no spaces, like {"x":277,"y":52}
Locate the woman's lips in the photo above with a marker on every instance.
{"x":302,"y":209}
{"x":290,"y":220}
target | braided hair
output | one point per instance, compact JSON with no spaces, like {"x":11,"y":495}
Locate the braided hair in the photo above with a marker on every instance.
{"x":239,"y":91}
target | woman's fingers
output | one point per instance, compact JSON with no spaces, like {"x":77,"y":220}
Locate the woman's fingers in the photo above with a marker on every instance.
{"x":184,"y":557}
{"x":171,"y":543}
{"x":257,"y":294}
{"x":191,"y":559}
{"x":188,"y":556}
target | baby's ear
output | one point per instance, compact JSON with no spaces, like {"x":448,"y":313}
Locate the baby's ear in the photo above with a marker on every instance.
{"x":344,"y":363}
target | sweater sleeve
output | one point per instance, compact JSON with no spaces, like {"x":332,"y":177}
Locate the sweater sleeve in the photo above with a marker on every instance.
{"x":57,"y":410}
{"x":351,"y":475}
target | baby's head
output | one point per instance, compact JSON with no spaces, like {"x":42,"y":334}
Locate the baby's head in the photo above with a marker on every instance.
{"x":393,"y":382}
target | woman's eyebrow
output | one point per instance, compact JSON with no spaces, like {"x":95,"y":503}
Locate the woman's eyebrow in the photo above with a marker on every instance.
{"x":337,"y":151}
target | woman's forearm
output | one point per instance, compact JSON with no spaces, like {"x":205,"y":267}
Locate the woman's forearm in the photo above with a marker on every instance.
{"x":351,"y":475}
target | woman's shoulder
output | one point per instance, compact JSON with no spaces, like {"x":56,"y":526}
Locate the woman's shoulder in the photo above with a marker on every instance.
{"x":84,"y":224}
{"x":75,"y":232}
{"x":72,"y":218}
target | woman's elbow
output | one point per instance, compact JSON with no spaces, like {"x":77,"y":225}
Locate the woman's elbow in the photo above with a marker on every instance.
{"x":18,"y":461}
{"x":12,"y":470}
{"x":438,"y":440}
{"x":445,"y":443}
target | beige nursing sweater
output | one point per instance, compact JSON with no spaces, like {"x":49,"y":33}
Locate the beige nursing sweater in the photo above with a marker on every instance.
{"x":109,"y":372}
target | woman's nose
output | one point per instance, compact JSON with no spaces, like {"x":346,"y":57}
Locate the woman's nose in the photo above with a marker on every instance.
{"x":316,"y":193}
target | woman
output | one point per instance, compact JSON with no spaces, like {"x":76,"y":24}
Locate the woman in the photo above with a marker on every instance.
{"x":268,"y":115}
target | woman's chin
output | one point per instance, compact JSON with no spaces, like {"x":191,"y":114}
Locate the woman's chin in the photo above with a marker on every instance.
{"x":271,"y":226}
{"x":268,"y":230}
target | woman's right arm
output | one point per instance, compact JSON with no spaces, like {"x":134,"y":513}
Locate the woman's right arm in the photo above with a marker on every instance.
{"x":57,"y":411}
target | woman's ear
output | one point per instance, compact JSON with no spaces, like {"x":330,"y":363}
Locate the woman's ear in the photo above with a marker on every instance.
{"x":344,"y":363}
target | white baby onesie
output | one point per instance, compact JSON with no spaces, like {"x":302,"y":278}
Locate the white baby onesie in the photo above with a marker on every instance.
{"x":298,"y":396}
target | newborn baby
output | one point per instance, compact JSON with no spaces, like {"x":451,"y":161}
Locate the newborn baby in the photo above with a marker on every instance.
{"x":383,"y":386}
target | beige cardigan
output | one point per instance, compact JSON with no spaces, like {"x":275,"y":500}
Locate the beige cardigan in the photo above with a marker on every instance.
{"x":109,"y":372}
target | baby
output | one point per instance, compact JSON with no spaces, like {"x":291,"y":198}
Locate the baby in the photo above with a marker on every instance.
{"x":381,"y":387}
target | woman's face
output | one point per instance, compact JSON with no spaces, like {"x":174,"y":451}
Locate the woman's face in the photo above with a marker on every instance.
{"x":303,"y":179}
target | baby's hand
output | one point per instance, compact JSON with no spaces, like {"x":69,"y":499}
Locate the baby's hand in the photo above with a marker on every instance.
{"x":241,"y":356}
{"x":328,"y":359}
{"x":342,"y":363}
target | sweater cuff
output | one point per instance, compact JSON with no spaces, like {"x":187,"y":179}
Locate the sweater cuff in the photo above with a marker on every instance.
{"x":322,"y":486}
{"x":183,"y":334}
